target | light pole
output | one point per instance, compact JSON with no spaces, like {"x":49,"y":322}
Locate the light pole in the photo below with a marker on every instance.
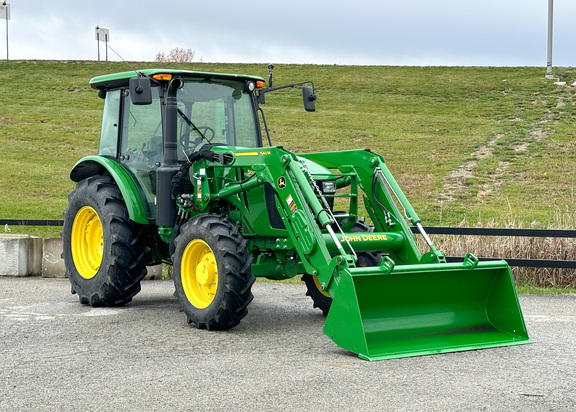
{"x":549,"y":74}
{"x":5,"y":14}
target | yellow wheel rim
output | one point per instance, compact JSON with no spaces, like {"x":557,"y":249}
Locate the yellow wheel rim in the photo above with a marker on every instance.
{"x":317,"y":283}
{"x":87,"y":242}
{"x":199,"y":273}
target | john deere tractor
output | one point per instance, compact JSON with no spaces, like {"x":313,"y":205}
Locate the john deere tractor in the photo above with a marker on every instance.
{"x":182,"y":177}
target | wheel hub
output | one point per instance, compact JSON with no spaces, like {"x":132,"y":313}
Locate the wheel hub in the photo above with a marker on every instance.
{"x":205,"y":271}
{"x":199,"y":273}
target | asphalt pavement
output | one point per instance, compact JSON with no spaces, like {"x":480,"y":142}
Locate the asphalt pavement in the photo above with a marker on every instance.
{"x":58,"y":355}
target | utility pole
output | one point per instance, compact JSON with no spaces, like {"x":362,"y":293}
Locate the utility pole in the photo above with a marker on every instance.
{"x":5,"y":14}
{"x":549,"y":74}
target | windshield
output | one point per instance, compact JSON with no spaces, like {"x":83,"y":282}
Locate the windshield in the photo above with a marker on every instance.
{"x":218,"y":111}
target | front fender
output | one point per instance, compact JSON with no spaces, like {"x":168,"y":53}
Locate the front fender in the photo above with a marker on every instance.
{"x":99,"y":165}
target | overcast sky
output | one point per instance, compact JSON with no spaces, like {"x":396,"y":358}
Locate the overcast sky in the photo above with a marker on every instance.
{"x":381,"y":32}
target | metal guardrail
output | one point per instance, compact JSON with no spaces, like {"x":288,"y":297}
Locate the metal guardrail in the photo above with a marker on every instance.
{"x":431,"y":230}
{"x":31,"y":222}
{"x":488,"y":231}
{"x":484,"y":231}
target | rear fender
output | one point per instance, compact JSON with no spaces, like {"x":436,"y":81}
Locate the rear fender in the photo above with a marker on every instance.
{"x":99,"y":165}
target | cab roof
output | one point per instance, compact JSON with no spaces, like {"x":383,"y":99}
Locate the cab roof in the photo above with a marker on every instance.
{"x":114,"y":80}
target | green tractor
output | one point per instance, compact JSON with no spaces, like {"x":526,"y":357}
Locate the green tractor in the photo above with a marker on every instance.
{"x":182,"y":177}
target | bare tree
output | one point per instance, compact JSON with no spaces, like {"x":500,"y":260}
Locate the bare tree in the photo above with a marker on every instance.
{"x":176,"y":55}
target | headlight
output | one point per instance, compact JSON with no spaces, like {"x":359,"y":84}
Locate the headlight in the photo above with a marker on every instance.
{"x":328,"y":186}
{"x":249,"y":86}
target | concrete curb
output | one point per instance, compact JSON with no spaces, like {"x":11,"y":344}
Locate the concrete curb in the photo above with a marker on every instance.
{"x":52,"y":262}
{"x":24,"y":255}
{"x":20,"y":255}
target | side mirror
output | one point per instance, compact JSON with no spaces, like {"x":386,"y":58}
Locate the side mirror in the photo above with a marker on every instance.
{"x":140,"y":90}
{"x":309,"y":98}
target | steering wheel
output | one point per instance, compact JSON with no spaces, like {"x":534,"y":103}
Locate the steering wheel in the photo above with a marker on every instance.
{"x":207,"y":131}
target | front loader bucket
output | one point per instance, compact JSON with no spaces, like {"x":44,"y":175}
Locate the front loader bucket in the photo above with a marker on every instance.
{"x":424,"y":309}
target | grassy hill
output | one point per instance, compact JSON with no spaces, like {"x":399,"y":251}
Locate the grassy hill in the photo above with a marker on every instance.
{"x":488,"y":145}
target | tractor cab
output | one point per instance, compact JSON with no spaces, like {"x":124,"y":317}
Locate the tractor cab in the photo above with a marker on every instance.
{"x":154,"y":119}
{"x":142,"y":135}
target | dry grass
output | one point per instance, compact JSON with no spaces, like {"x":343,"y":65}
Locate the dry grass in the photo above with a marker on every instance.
{"x":520,"y":248}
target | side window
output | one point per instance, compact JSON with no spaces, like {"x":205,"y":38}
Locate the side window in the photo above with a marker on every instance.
{"x":110,"y":121}
{"x":141,"y":149}
{"x":244,"y":126}
{"x":142,"y":131}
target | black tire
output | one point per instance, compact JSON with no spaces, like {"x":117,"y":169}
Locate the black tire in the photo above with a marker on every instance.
{"x":322,"y":300}
{"x":212,"y":273}
{"x":105,"y":272}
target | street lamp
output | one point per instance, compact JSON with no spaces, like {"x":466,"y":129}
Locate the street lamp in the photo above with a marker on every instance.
{"x":5,"y":14}
{"x":549,"y":74}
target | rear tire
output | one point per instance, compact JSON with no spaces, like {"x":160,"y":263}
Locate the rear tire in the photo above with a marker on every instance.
{"x":212,"y":274}
{"x":102,"y":248}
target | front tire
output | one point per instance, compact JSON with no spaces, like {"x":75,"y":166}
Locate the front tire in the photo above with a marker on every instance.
{"x":212,"y":274}
{"x":102,"y":248}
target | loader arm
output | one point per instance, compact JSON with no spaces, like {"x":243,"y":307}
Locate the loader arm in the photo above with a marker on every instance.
{"x":383,"y":197}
